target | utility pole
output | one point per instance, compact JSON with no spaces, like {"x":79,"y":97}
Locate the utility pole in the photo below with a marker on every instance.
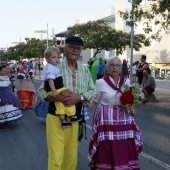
{"x":132,"y":41}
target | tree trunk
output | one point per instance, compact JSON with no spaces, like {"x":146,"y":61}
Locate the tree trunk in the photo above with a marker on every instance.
{"x":97,"y":51}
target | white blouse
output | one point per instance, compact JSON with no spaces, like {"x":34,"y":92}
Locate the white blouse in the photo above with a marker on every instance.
{"x":4,"y":81}
{"x":106,"y":95}
{"x":26,"y":73}
{"x":50,"y":72}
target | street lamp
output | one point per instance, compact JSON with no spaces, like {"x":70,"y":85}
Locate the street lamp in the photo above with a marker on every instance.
{"x":43,"y":31}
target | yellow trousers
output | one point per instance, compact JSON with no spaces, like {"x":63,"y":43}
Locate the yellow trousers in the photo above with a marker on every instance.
{"x":61,"y":108}
{"x":62,"y":144}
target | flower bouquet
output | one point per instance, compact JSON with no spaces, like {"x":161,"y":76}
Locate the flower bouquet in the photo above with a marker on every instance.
{"x":130,"y":97}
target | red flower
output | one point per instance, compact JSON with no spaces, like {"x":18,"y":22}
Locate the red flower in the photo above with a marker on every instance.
{"x":127,"y":97}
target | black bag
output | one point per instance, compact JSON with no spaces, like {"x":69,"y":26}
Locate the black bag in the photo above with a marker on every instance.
{"x":82,"y":123}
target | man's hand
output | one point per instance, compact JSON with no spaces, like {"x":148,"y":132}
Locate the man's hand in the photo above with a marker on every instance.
{"x":73,"y":99}
{"x":70,"y":100}
{"x":65,"y":93}
{"x":55,"y":99}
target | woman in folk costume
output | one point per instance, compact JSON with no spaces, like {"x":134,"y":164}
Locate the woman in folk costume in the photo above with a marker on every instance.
{"x":10,"y":108}
{"x":116,"y":140}
{"x":26,"y":92}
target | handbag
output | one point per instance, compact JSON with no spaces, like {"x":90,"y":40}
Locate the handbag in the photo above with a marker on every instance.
{"x":41,"y":109}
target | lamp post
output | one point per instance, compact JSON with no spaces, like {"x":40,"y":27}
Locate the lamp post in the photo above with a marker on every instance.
{"x":132,"y":40}
{"x":43,"y":32}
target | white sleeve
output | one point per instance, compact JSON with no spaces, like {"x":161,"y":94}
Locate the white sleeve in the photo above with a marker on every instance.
{"x":98,"y":91}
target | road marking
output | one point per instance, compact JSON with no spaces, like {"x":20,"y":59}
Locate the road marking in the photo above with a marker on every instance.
{"x":150,"y":158}
{"x":162,"y":164}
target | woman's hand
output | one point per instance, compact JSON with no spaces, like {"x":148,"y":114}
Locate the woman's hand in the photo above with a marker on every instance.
{"x":91,"y":105}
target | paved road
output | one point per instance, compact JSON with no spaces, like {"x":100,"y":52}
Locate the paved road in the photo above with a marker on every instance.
{"x":23,"y":143}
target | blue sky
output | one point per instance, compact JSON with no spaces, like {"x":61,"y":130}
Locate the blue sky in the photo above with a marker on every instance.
{"x":19,"y":18}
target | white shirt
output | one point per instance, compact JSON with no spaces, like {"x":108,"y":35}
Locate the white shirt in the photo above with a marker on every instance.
{"x":134,"y":69}
{"x":50,"y":71}
{"x":106,"y":95}
{"x":4,"y":81}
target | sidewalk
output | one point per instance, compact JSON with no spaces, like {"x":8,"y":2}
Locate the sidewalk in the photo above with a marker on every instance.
{"x":162,"y":93}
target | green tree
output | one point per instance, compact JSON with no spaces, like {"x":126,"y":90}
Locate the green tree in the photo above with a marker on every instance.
{"x":100,"y":36}
{"x":31,"y":48}
{"x":3,"y":55}
{"x":156,"y":14}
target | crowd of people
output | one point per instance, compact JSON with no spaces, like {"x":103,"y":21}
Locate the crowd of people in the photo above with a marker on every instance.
{"x":116,"y":140}
{"x":13,"y":100}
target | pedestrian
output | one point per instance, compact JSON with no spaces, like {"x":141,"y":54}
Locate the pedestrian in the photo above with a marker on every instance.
{"x":142,"y":66}
{"x":10,"y":108}
{"x":19,"y":66}
{"x":128,"y":67}
{"x":25,"y":91}
{"x":137,"y":65}
{"x":124,"y":69}
{"x":105,"y":68}
{"x":30,"y":65}
{"x":134,"y":73}
{"x":148,"y":85}
{"x":62,"y":143}
{"x":41,"y":66}
{"x":54,"y":86}
{"x":10,"y":74}
{"x":116,"y":140}
{"x":100,"y":69}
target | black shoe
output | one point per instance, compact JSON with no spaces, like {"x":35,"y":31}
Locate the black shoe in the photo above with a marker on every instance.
{"x":65,"y":125}
{"x":75,"y":118}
